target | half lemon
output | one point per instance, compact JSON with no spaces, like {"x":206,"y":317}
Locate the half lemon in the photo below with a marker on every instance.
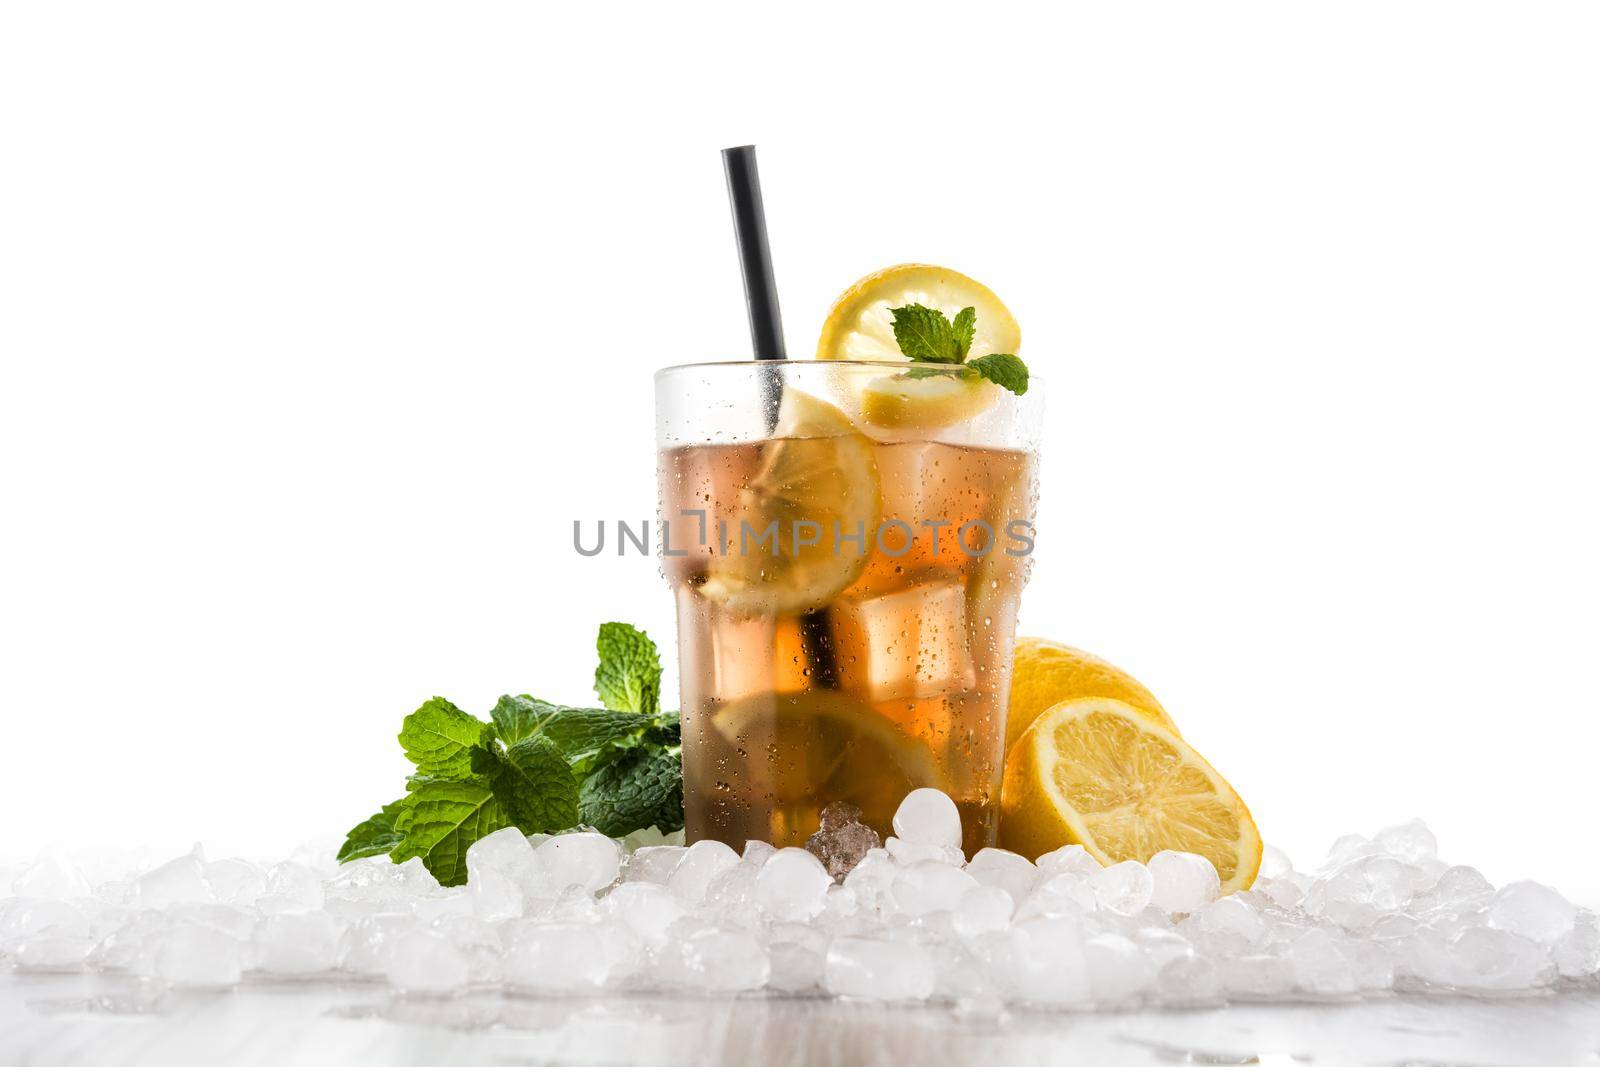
{"x":1102,"y":774}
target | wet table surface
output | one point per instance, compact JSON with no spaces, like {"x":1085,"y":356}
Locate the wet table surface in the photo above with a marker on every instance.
{"x":51,"y":1020}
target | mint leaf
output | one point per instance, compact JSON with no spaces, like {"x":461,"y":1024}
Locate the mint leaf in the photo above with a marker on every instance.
{"x":963,"y":328}
{"x":516,"y":718}
{"x":441,"y":820}
{"x":933,"y":370}
{"x":629,"y":675}
{"x":532,"y":781}
{"x":1003,"y":369}
{"x":586,"y":735}
{"x":643,"y":788}
{"x":923,"y":333}
{"x":438,"y":737}
{"x":375,"y":836}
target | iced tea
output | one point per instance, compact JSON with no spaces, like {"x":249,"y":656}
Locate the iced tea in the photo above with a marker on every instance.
{"x":846,"y":607}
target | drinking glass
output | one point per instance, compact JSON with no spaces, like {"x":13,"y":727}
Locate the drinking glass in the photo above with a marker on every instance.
{"x":847,"y":571}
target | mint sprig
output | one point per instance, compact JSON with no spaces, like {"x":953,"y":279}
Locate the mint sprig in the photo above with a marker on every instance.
{"x":926,"y":336}
{"x":538,"y":766}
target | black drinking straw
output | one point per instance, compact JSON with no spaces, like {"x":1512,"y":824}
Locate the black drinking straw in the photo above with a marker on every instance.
{"x":755,"y":254}
{"x":766,"y":341}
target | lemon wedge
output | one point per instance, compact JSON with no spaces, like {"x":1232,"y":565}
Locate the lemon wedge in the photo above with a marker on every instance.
{"x":1044,"y":673}
{"x":817,"y":475}
{"x":860,"y":327}
{"x":1100,"y":773}
{"x":811,"y":748}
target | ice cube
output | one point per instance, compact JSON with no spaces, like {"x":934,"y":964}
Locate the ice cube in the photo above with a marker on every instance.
{"x":1124,"y":888}
{"x":796,"y":967}
{"x":1188,"y":981}
{"x":367,"y":946}
{"x":792,"y":885}
{"x":701,"y":862}
{"x":1531,"y":910}
{"x":1577,"y":952}
{"x":496,"y":894}
{"x":906,"y":853}
{"x":424,"y":961}
{"x":1275,"y":863}
{"x":983,"y":909}
{"x":556,"y":957}
{"x":51,"y":952}
{"x":653,"y":863}
{"x":296,"y":944}
{"x":1320,"y":964}
{"x":199,"y":956}
{"x":731,"y":896}
{"x":1068,"y":859}
{"x":1117,"y":969}
{"x":842,"y":840}
{"x":177,"y":881}
{"x":237,"y":923}
{"x":1410,"y":842}
{"x":1355,"y":893}
{"x":1061,"y":894}
{"x":1489,"y":959}
{"x":236,"y":881}
{"x":24,"y":917}
{"x":649,"y":909}
{"x":1286,"y":891}
{"x":872,"y":879}
{"x":585,"y":859}
{"x":1006,"y":870}
{"x":930,"y":886}
{"x":1228,"y":925}
{"x":1182,"y":882}
{"x":721,"y":961}
{"x":1161,"y":947}
{"x":757,"y":853}
{"x":928,"y":817}
{"x":52,"y":877}
{"x":879,"y":969}
{"x":1459,"y":888}
{"x":505,"y":851}
{"x":291,"y":887}
{"x":1256,"y":977}
{"x":1043,"y":962}
{"x":910,"y":644}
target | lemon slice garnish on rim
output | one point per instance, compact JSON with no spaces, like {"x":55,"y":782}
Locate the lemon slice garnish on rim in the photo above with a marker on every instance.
{"x":860,"y":327}
{"x":1102,"y":774}
{"x":818,"y":468}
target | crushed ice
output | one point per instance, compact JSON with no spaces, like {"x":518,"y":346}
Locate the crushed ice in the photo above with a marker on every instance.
{"x":912,"y":920}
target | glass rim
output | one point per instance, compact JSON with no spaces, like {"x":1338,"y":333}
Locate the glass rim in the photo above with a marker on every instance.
{"x":887,"y":364}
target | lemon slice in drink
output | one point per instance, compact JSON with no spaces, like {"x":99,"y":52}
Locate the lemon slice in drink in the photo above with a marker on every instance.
{"x":1101,"y":773}
{"x":816,"y":488}
{"x":860,"y":327}
{"x":811,"y":748}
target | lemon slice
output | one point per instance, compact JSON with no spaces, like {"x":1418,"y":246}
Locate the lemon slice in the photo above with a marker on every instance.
{"x":808,"y":749}
{"x":817,"y":476}
{"x":1099,"y":773}
{"x":1044,"y":673}
{"x":900,"y":403}
{"x":860,"y":327}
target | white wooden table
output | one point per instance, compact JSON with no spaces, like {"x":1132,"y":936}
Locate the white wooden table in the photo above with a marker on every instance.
{"x":59,"y":1020}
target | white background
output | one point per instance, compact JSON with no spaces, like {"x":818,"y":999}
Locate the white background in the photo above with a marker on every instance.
{"x":320,"y":323}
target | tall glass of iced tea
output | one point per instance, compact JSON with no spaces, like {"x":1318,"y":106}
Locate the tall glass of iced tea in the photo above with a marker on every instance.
{"x":847,"y":563}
